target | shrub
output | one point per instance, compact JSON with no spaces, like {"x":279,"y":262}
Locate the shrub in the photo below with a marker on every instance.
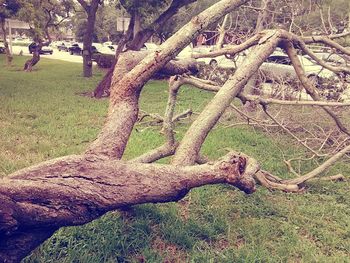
{"x":103,"y":60}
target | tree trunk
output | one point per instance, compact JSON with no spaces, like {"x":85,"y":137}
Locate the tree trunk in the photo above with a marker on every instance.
{"x":6,"y":45}
{"x":30,"y":63}
{"x":137,"y":23}
{"x":87,"y":44}
{"x":105,"y":84}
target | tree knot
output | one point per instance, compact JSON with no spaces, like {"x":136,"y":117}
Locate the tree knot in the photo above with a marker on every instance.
{"x":239,"y":170}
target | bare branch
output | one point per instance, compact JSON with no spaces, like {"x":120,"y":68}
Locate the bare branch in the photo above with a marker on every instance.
{"x":190,"y":145}
{"x":290,"y":133}
{"x":308,"y":85}
{"x":267,"y":101}
{"x":320,"y":169}
{"x":231,"y":49}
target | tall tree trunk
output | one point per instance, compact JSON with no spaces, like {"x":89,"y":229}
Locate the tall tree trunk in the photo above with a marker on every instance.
{"x":137,"y":23}
{"x":87,"y":43}
{"x":6,"y":45}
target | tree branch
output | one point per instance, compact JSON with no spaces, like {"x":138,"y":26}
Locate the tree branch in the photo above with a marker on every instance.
{"x":190,"y":145}
{"x":74,"y":190}
{"x":111,"y":142}
{"x":308,"y":85}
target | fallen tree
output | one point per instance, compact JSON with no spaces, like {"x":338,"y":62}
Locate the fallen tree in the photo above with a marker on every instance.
{"x":74,"y":190}
{"x":24,"y":223}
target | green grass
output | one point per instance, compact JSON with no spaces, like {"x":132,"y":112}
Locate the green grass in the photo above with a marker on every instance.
{"x":42,"y":117}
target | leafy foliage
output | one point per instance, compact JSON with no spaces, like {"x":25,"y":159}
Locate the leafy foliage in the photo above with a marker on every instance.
{"x":43,"y":15}
{"x":9,"y":8}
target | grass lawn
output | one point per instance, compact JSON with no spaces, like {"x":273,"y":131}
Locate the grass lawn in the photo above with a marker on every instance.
{"x":42,"y":117}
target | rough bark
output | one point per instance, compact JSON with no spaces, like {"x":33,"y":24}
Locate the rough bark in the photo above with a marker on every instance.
{"x":77,"y":189}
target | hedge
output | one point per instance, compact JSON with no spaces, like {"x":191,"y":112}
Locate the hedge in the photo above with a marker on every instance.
{"x":103,"y":60}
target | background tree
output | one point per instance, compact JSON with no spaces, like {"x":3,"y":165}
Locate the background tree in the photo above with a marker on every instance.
{"x":8,"y":9}
{"x":144,"y":22}
{"x":105,"y":25}
{"x":42,"y":15}
{"x":90,"y":7}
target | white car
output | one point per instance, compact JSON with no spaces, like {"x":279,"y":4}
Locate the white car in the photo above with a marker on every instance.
{"x":2,"y":47}
{"x":108,"y":43}
{"x":109,"y":50}
{"x":220,"y":61}
{"x":279,"y":68}
{"x":150,"y":46}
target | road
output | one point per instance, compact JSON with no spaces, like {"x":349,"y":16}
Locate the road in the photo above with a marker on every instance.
{"x":60,"y":55}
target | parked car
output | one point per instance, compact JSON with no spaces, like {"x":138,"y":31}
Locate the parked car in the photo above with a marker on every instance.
{"x":278,"y":68}
{"x":150,"y":46}
{"x":44,"y":50}
{"x":108,"y":43}
{"x":110,"y":50}
{"x":220,"y":61}
{"x":2,"y":48}
{"x":77,"y":49}
{"x":62,"y":46}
